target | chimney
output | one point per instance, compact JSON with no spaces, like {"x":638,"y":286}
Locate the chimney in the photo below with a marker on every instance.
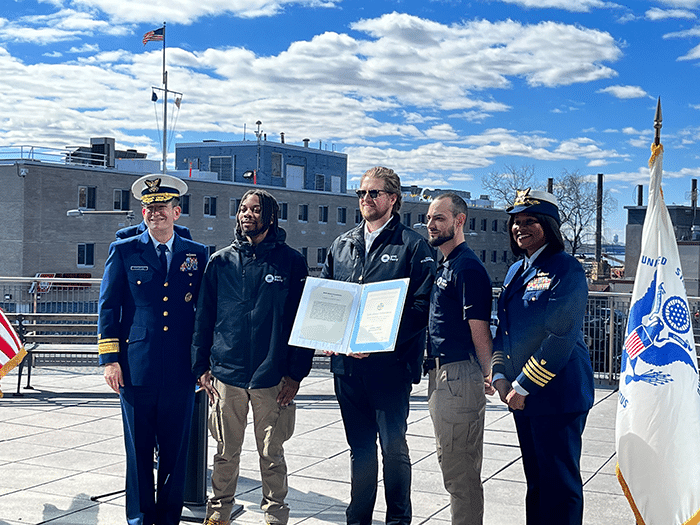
{"x":640,"y":195}
{"x":282,"y":137}
{"x":306,"y":142}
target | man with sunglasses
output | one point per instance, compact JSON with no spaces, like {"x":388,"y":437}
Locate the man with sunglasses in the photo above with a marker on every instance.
{"x":373,"y":390}
{"x":145,"y":323}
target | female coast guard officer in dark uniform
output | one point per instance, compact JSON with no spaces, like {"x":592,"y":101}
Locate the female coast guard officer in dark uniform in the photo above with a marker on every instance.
{"x":541,"y":366}
{"x":146,"y":319}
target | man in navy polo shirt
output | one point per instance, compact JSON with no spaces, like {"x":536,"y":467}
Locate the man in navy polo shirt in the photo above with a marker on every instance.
{"x":460,"y":344}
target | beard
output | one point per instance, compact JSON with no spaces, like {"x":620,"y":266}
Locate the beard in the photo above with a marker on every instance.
{"x":441,"y":239}
{"x":254,"y":232}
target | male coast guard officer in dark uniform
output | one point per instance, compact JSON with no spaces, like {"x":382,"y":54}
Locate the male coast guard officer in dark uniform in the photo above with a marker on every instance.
{"x":146,"y":318}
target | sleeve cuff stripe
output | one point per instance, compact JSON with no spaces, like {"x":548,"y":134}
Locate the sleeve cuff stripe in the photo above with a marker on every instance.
{"x":533,"y":376}
{"x":108,"y":346}
{"x":532,"y":362}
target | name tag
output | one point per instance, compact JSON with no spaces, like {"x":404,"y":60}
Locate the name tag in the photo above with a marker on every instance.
{"x":139,"y":268}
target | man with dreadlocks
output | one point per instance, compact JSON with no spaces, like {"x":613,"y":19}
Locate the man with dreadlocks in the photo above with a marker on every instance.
{"x":240,"y":353}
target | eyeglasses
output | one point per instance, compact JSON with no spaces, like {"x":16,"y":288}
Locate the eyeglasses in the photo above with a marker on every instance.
{"x":373,"y":194}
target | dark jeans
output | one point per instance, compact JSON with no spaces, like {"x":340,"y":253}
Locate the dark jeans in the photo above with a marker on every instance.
{"x":551,"y":448}
{"x":371,"y":406}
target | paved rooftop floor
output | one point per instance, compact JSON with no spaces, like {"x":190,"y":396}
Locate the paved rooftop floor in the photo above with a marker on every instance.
{"x":61,"y":443}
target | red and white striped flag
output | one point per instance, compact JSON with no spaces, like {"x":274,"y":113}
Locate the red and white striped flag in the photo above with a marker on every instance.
{"x":11,"y":349}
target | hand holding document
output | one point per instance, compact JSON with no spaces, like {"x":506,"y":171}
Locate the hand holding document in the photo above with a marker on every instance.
{"x":349,"y":318}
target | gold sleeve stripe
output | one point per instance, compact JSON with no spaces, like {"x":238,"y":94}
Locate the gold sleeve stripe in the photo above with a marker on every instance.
{"x":108,"y":346}
{"x":536,"y":373}
{"x":532,"y":376}
{"x":498,"y":358}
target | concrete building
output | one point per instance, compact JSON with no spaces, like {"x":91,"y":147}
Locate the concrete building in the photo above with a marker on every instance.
{"x":686,"y":225}
{"x":40,"y":186}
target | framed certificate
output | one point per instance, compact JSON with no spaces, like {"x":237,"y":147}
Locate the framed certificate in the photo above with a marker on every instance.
{"x":349,"y":318}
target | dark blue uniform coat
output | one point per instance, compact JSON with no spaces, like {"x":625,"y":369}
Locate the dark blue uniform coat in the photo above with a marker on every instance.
{"x":540,"y":343}
{"x":145,"y":323}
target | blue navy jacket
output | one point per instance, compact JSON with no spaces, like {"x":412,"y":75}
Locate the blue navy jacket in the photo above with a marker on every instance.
{"x":146,"y":318}
{"x":539,"y":340}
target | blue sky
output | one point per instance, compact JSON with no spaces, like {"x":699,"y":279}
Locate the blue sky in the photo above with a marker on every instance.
{"x":442,"y":91}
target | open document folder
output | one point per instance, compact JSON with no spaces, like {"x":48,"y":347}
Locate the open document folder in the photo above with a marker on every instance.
{"x":349,"y":318}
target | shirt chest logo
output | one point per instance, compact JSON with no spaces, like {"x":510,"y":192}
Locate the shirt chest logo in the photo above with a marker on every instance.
{"x":269,"y":278}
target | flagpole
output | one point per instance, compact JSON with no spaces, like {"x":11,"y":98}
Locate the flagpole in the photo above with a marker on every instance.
{"x":165,"y":108}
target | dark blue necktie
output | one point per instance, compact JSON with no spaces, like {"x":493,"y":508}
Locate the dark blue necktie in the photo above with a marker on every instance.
{"x":162,"y":248}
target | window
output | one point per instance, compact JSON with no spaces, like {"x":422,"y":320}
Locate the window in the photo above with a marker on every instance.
{"x":342,"y":215}
{"x":232,"y":208}
{"x":505,"y":256}
{"x":323,"y":214}
{"x":472,"y":224}
{"x":305,"y":252}
{"x":282,"y":212}
{"x":86,"y":254}
{"x":494,"y":225}
{"x":86,"y":197}
{"x":483,"y":225}
{"x":320,"y":182}
{"x":494,"y":256}
{"x":211,"y":249}
{"x":276,"y":165}
{"x":358,"y":216}
{"x":210,"y":206}
{"x":483,"y":256}
{"x":303,"y":213}
{"x":321,"y":255}
{"x":185,"y":204}
{"x":223,"y":167}
{"x":421,"y":218}
{"x":407,"y":219}
{"x":122,"y":200}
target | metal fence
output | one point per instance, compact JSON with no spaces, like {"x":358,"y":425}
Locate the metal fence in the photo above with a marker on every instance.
{"x":604,"y":324}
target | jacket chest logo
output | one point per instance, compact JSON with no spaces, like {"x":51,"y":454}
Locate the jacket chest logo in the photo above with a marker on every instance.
{"x":269,"y":278}
{"x":389,"y":258}
{"x":441,"y":282}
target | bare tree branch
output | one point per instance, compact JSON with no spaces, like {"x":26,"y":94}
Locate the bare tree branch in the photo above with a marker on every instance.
{"x":502,"y":186}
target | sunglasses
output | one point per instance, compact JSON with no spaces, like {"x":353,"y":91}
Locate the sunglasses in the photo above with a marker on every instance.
{"x":373,"y":194}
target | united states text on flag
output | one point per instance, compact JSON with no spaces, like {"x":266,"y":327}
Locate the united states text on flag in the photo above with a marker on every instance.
{"x":157,"y":35}
{"x":657,"y":430}
{"x":11,"y":349}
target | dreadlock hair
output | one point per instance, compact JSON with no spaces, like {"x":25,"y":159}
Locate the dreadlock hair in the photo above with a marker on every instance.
{"x":268,"y":209}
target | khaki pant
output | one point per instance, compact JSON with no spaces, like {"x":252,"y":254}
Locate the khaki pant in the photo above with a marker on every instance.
{"x":273,"y":425}
{"x":458,"y":407}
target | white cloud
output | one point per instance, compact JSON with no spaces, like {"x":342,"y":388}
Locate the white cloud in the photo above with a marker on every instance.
{"x":662,"y":14}
{"x":624,"y":92}
{"x":577,"y":6}
{"x":187,"y":12}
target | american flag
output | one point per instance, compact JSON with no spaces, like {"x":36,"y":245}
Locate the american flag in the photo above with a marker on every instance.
{"x":633,"y":344}
{"x":11,"y":349}
{"x":157,"y":35}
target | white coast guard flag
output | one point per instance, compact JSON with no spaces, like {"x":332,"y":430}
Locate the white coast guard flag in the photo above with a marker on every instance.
{"x":658,"y":417}
{"x":11,"y":350}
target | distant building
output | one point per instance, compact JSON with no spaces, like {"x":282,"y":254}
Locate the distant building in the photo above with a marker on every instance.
{"x":686,"y":225}
{"x":41,"y":184}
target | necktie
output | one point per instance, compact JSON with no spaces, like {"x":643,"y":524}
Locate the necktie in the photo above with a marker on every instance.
{"x":162,"y":248}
